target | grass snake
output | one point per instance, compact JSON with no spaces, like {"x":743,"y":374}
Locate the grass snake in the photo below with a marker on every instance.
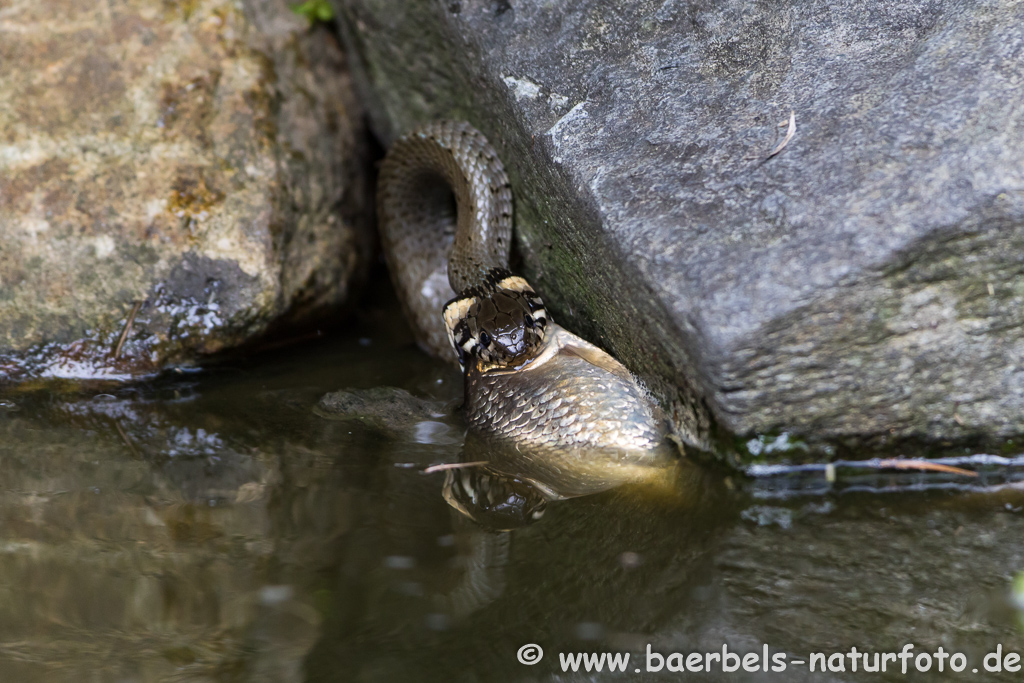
{"x":445,"y":214}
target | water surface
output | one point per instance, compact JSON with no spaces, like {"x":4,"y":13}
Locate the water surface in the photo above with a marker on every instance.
{"x":212,"y":527}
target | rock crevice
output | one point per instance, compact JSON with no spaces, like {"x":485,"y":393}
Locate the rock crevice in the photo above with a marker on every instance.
{"x":757,"y":293}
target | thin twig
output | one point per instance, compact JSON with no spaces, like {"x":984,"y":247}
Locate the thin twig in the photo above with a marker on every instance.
{"x":127,"y":441}
{"x":127,"y":329}
{"x":453,"y":466}
{"x":924,"y":465}
{"x":790,"y":132}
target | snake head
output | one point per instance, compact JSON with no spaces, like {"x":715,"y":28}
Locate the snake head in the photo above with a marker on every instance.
{"x":497,"y":324}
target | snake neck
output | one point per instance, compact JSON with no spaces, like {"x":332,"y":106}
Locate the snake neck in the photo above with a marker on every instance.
{"x":495,"y":317}
{"x":444,"y":206}
{"x":421,"y":173}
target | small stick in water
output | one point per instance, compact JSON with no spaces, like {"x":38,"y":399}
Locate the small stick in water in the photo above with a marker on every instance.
{"x":127,"y":441}
{"x":453,"y":466}
{"x":924,"y":465}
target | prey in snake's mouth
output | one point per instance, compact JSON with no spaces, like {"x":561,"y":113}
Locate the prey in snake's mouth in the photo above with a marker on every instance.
{"x":531,"y":386}
{"x":499,"y":324}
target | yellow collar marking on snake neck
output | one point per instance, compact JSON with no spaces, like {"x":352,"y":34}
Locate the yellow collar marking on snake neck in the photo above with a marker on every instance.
{"x":500,"y":323}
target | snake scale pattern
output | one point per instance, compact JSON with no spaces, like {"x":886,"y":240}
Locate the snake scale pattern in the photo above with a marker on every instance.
{"x":445,"y":213}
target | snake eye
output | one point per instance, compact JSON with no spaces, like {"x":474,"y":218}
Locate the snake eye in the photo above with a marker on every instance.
{"x":485,"y":339}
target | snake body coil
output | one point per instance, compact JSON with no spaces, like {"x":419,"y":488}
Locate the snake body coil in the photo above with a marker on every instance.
{"x":445,"y":211}
{"x":442,"y":191}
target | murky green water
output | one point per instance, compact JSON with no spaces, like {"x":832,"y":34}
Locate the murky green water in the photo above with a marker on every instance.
{"x":212,"y":527}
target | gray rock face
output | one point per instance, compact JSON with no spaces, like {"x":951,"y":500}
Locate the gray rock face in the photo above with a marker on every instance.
{"x":864,"y":281}
{"x":200,"y":159}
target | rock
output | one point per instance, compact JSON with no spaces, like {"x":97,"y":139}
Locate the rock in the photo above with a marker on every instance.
{"x":386,"y":409}
{"x":863,"y":282}
{"x":202,"y":159}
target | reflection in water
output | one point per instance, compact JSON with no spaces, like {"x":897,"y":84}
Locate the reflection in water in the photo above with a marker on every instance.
{"x":567,"y":473}
{"x":494,"y":501}
{"x":481,"y":559}
{"x":505,"y":486}
{"x":254,"y":523}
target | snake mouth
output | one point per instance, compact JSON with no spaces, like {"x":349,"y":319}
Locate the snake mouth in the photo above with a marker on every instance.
{"x":560,"y":342}
{"x":572,"y":403}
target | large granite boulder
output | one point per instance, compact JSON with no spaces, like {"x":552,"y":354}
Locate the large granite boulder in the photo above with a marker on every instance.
{"x":864,"y":281}
{"x":197,"y":168}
